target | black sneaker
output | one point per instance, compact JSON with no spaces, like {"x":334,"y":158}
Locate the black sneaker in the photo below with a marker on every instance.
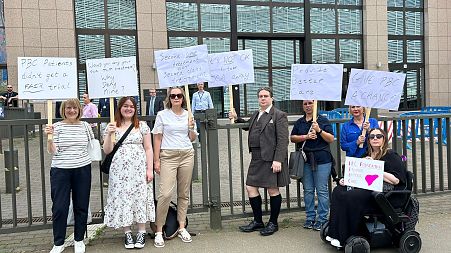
{"x":140,"y":240}
{"x":308,"y":224}
{"x":129,"y":242}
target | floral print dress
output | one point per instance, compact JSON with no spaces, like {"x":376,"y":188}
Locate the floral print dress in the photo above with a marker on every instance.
{"x":130,"y":198}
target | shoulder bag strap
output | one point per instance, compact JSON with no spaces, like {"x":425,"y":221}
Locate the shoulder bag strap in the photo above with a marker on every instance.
{"x":87,"y":130}
{"x":119,"y":143}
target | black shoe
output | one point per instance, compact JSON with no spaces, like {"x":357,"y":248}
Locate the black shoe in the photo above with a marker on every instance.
{"x":140,"y":240}
{"x":253,"y":226}
{"x":270,"y":229}
{"x":129,"y":243}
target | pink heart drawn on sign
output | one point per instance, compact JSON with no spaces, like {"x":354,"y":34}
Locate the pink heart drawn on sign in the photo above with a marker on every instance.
{"x":370,"y":179}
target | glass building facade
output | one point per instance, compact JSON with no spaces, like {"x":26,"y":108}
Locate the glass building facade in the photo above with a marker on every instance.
{"x":3,"y":68}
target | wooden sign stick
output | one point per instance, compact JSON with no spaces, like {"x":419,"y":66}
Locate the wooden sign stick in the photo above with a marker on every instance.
{"x":232,"y":120}
{"x":113,"y":136}
{"x":367,"y":117}
{"x":315,"y":110}
{"x":188,"y":103}
{"x":49,"y":117}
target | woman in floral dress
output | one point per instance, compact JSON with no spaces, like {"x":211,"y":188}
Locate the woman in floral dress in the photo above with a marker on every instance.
{"x":130,"y":196}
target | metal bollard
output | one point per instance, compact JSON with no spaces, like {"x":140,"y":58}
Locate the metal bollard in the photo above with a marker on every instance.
{"x":11,"y":168}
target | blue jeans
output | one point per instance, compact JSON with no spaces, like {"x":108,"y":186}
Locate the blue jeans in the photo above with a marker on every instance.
{"x":316,"y":180}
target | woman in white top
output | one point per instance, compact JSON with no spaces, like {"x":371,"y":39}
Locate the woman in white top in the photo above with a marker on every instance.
{"x":174,"y":160}
{"x":70,"y":171}
{"x":130,"y":197}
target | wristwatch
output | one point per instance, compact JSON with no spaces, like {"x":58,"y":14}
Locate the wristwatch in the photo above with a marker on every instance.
{"x":320,"y":131}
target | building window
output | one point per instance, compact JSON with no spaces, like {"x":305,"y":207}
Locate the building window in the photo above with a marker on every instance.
{"x":3,"y":69}
{"x":104,"y":29}
{"x":406,"y":48}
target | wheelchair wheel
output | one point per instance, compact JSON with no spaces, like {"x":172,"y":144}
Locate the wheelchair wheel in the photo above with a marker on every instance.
{"x":357,"y":244}
{"x":323,"y":232}
{"x":410,"y":242}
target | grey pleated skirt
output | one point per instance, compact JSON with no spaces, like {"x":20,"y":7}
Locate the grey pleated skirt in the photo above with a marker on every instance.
{"x":260,"y":173}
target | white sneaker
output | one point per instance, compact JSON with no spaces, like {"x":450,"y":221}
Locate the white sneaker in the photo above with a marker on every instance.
{"x":79,"y":247}
{"x":57,"y":249}
{"x":335,"y":243}
{"x":329,"y":239}
{"x":158,"y":241}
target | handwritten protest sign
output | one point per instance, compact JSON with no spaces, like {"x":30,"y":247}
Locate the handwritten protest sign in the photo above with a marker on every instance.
{"x":180,"y":66}
{"x":364,"y":173}
{"x":316,"y":82}
{"x":236,"y":67}
{"x":375,"y":89}
{"x":112,"y":77}
{"x":47,"y":78}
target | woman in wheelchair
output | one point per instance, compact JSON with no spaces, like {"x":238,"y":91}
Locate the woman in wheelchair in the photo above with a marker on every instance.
{"x":348,"y":205}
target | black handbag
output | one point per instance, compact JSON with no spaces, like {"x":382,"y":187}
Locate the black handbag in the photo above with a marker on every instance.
{"x":296,"y":163}
{"x":106,"y":164}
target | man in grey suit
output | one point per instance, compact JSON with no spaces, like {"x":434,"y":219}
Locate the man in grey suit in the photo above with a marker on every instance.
{"x":268,"y":144}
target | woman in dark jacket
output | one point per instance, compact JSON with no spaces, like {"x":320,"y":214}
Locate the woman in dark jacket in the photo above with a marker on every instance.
{"x":317,"y":136}
{"x":348,"y":205}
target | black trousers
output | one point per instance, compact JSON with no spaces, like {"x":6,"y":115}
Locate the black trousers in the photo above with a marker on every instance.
{"x":62,"y":182}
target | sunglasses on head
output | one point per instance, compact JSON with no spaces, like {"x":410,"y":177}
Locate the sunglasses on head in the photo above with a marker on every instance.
{"x":378,"y":136}
{"x":179,"y":96}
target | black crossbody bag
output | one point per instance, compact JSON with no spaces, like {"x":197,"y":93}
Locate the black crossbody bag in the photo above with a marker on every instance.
{"x":106,"y":164}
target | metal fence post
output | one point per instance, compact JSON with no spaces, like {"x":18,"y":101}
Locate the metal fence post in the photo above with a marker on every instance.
{"x":213,"y":170}
{"x":12,"y":168}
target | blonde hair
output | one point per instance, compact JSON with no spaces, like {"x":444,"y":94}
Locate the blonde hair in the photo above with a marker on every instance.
{"x":73,"y":102}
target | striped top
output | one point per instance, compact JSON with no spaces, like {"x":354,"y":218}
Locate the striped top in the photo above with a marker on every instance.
{"x":71,"y":141}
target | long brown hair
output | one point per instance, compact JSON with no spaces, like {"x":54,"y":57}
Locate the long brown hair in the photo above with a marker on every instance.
{"x":384,"y":147}
{"x":167,"y":101}
{"x":118,"y":116}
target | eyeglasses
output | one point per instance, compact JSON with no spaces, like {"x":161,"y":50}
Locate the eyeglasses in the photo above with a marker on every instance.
{"x":308,"y":103}
{"x":9,"y":87}
{"x":377,"y":136}
{"x":179,"y":96}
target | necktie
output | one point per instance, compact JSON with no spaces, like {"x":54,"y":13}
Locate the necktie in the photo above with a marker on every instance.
{"x":151,"y":110}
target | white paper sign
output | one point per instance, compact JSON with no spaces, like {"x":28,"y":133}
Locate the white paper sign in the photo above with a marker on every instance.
{"x":112,"y":77}
{"x":181,"y":66}
{"x":364,"y":173}
{"x":375,"y":89}
{"x":316,"y":82}
{"x":47,"y":78}
{"x":236,"y":67}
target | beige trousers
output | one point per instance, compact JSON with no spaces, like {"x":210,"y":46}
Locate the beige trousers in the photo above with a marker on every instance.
{"x":176,"y":167}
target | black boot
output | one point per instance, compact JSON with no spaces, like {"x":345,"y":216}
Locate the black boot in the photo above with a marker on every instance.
{"x":272,"y":226}
{"x":257,"y":223}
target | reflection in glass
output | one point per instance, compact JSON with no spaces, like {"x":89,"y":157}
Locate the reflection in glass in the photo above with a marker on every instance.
{"x":322,"y":1}
{"x":121,"y":14}
{"x":89,"y":14}
{"x":349,"y":21}
{"x":414,"y":3}
{"x":395,"y":51}
{"x":414,"y":23}
{"x":253,"y":18}
{"x":395,"y":22}
{"x":178,"y":42}
{"x":395,"y":3}
{"x":123,"y":46}
{"x":288,"y":19}
{"x":261,"y":80}
{"x":2,"y":46}
{"x":282,"y":53}
{"x":215,"y":17}
{"x":415,"y":51}
{"x":259,"y":51}
{"x":181,"y":16}
{"x":90,"y":47}
{"x":350,"y":2}
{"x":350,"y":51}
{"x":217,"y":45}
{"x":323,"y":51}
{"x":322,"y":20}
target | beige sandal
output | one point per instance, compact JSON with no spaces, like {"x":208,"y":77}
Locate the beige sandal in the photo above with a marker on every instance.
{"x":184,"y":235}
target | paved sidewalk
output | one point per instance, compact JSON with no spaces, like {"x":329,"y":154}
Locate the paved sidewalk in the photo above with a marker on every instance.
{"x":434,"y":227}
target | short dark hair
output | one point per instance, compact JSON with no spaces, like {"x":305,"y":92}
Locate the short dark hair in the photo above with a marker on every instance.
{"x":268,"y":89}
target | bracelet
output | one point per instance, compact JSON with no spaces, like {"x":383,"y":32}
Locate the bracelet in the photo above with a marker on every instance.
{"x":320,"y":131}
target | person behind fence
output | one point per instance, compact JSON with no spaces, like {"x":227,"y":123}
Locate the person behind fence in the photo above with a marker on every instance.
{"x":10,"y":97}
{"x":268,"y":144}
{"x":201,"y":101}
{"x":173,"y":133}
{"x":351,"y":132}
{"x":317,"y":169}
{"x":130,"y":196}
{"x":70,"y":172}
{"x":349,"y":204}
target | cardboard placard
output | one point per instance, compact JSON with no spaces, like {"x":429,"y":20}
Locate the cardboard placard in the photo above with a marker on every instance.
{"x":364,"y":173}
{"x":236,"y":67}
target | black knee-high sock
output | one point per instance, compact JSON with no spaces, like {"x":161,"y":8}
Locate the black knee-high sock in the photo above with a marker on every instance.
{"x":275,"y":203}
{"x":256,"y":204}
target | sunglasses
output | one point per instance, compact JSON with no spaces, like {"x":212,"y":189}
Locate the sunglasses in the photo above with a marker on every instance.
{"x":378,"y":136}
{"x":179,"y":96}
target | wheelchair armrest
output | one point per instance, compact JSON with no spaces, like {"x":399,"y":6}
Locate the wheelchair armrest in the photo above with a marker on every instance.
{"x":386,"y":208}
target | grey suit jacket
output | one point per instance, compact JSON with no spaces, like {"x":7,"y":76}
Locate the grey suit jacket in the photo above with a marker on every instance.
{"x":273,"y":136}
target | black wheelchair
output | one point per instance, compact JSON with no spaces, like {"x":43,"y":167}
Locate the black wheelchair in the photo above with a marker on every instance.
{"x":393,"y":225}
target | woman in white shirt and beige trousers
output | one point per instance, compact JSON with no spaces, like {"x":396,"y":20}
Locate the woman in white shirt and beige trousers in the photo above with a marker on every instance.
{"x":173,"y":160}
